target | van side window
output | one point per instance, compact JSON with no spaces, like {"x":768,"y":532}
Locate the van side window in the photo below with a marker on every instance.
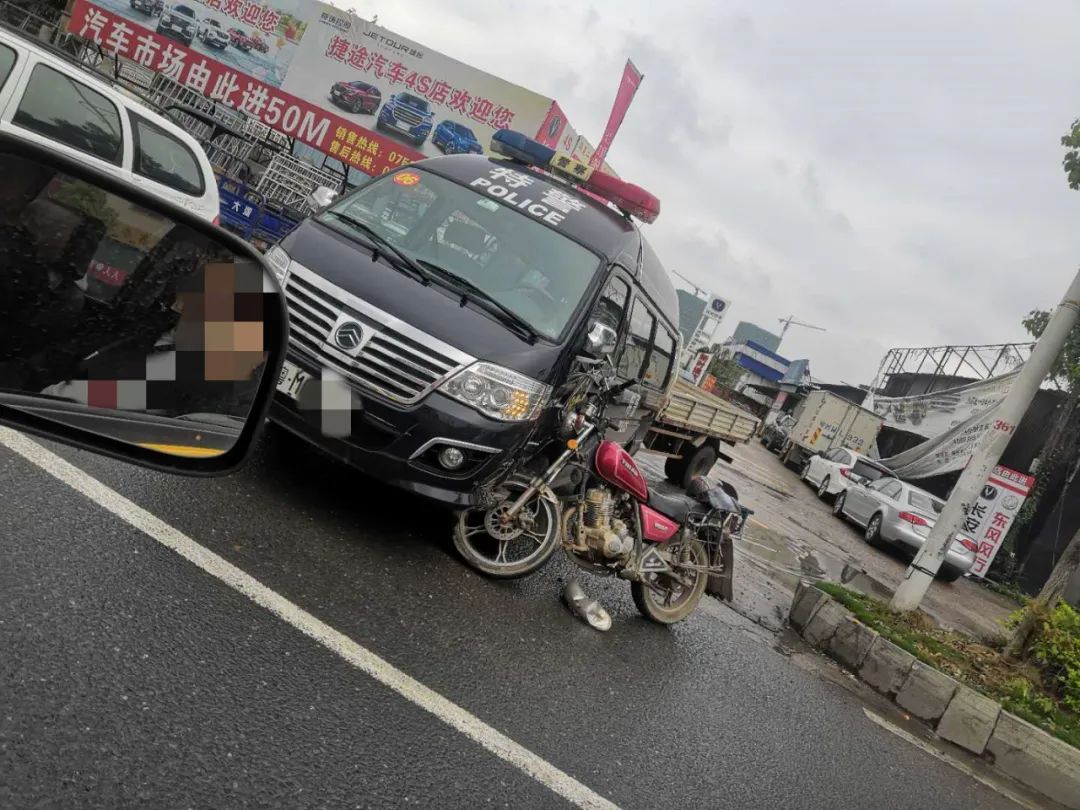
{"x":611,"y":308}
{"x":638,"y":341}
{"x":7,"y":62}
{"x":67,"y":111}
{"x":661,"y":358}
{"x":163,"y":159}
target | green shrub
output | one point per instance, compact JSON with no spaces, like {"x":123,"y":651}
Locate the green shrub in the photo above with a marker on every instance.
{"x":1056,"y":648}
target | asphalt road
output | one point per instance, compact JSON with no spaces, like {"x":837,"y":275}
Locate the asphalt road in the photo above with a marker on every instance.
{"x":131,"y":677}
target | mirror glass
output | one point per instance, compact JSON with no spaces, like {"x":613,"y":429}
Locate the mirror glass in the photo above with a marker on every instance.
{"x":122,"y":321}
{"x":601,"y":339}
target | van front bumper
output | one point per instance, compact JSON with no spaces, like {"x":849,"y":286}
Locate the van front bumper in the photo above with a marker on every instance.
{"x":400,"y":445}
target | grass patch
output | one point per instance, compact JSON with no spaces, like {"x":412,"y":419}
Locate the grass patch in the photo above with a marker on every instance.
{"x":1020,"y":686}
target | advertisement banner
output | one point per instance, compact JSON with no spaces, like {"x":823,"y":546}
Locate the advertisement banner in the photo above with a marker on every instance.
{"x":699,"y":366}
{"x":628,"y":86}
{"x":717,"y":309}
{"x":948,"y":452}
{"x":219,"y":81}
{"x":990,"y":517}
{"x":552,"y":131}
{"x":933,"y":414}
{"x":342,"y":85}
{"x":426,"y":101}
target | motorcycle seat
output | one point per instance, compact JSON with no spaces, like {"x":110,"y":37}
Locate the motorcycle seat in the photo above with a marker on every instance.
{"x":677,"y":506}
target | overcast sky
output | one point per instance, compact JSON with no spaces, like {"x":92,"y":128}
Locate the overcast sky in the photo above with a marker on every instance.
{"x":890,"y":171}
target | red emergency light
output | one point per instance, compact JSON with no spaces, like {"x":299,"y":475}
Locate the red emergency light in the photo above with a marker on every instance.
{"x":632,"y":200}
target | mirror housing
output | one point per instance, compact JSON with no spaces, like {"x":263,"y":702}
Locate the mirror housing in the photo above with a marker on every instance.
{"x":128,"y":326}
{"x":601,"y":340}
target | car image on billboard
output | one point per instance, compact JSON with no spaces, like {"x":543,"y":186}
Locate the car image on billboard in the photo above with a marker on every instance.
{"x":246,"y":46}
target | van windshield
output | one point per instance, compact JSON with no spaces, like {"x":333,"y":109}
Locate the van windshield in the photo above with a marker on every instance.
{"x":535,"y":272}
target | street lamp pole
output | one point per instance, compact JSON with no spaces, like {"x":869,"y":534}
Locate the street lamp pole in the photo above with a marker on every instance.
{"x":987,"y":453}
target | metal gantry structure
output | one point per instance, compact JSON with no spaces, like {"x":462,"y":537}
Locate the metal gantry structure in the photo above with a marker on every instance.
{"x":976,"y":362}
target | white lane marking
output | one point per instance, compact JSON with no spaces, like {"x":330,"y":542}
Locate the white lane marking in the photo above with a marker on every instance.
{"x":961,"y":766}
{"x":363,"y":659}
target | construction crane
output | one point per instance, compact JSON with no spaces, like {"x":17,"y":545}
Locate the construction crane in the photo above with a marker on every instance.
{"x":790,"y":321}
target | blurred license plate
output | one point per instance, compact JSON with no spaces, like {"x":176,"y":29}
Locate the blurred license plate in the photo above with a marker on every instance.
{"x":291,"y":379}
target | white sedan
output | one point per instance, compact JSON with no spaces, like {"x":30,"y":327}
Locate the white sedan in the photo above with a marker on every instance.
{"x":833,"y":472}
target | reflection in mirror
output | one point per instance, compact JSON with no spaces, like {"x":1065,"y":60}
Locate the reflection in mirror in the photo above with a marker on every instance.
{"x":117,"y":320}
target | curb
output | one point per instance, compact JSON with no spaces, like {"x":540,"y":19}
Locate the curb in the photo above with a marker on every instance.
{"x":960,"y":715}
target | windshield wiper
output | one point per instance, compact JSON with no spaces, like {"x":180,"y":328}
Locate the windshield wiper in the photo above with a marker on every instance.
{"x":381,"y":246}
{"x":469,"y":290}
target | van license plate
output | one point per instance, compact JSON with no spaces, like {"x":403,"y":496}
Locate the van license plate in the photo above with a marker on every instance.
{"x":291,"y":379}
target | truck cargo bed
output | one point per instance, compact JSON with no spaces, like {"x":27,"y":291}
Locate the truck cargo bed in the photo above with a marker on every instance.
{"x":696,"y":411}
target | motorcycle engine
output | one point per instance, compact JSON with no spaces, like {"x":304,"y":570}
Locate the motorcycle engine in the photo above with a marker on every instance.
{"x":603,"y":532}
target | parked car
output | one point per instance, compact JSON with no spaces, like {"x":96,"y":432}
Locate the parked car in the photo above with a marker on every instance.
{"x":151,"y":7}
{"x":775,"y":434}
{"x":835,"y":471}
{"x":356,"y":97}
{"x":240,"y":40}
{"x":454,"y":139}
{"x":408,"y":114}
{"x":211,"y":33}
{"x":64,"y":106}
{"x":179,"y":22}
{"x":894,"y":512}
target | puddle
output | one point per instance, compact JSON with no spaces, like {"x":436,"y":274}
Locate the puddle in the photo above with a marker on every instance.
{"x":788,"y":560}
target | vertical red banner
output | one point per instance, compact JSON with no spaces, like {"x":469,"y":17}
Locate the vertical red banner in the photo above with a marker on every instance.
{"x":631,"y":80}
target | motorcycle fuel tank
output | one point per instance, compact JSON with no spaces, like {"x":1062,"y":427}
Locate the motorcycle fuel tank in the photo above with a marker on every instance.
{"x":617,"y":467}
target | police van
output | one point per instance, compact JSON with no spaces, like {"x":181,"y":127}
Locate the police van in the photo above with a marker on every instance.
{"x":435,"y":310}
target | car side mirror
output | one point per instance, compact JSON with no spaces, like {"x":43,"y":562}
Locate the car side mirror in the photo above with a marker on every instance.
{"x":128,"y":326}
{"x":601,"y":340}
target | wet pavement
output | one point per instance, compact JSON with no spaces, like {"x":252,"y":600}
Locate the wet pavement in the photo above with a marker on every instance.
{"x":131,"y":678}
{"x":793,"y":534}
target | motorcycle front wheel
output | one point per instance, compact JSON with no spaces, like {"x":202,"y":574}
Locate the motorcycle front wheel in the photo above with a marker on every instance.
{"x":512,"y":549}
{"x":665,"y":599}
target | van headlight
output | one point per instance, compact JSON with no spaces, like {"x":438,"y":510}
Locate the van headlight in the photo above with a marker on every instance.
{"x":498,"y":392}
{"x":279,"y":262}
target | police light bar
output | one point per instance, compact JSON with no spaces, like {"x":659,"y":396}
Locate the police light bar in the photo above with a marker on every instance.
{"x":629,"y":198}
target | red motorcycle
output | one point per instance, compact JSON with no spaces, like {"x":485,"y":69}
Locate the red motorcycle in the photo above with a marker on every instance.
{"x":608,"y":521}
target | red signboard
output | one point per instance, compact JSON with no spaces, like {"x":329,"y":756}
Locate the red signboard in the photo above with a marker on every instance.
{"x":330,"y":133}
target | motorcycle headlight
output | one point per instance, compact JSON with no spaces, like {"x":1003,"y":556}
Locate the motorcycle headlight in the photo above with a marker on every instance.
{"x":498,"y":392}
{"x":279,"y":262}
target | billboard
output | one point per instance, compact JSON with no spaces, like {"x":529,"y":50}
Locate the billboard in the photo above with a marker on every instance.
{"x":428,"y":88}
{"x":279,"y":61}
{"x":990,"y":517}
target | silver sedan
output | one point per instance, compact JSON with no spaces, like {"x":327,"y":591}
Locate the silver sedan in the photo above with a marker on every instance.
{"x":894,"y":512}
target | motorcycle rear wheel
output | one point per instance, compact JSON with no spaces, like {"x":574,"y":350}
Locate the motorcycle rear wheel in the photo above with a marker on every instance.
{"x":512,"y":551}
{"x":666,"y":601}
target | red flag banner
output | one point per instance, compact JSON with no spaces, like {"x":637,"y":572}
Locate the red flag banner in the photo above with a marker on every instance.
{"x":631,"y":80}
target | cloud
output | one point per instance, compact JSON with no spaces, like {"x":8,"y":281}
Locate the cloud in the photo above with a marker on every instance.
{"x":888,"y":171}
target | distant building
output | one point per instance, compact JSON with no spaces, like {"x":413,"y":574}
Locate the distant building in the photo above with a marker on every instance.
{"x":690,"y":309}
{"x":747,"y":332}
{"x":763,"y":369}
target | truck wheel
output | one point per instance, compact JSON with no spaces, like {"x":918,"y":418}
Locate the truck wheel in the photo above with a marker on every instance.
{"x":674,"y":469}
{"x":697,"y":464}
{"x":789,"y":455}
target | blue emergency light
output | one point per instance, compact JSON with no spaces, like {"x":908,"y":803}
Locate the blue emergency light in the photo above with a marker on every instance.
{"x":630,"y":199}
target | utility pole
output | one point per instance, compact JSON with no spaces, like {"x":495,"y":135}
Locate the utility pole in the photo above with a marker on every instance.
{"x":988,"y":452}
{"x":790,"y":321}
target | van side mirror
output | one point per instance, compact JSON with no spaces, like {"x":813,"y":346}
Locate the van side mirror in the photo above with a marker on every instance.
{"x":323,"y":196}
{"x":601,"y":339}
{"x":128,"y":326}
